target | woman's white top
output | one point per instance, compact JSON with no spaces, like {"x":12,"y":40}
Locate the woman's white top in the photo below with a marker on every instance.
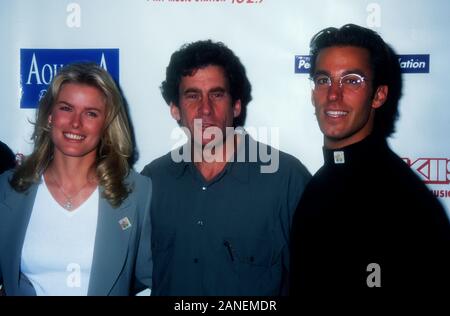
{"x":59,"y":245}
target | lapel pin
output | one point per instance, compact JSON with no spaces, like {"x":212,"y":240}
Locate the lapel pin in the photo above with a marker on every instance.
{"x":125,"y":223}
{"x":339,"y":157}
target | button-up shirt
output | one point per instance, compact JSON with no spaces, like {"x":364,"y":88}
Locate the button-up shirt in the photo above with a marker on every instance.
{"x":227,"y":236}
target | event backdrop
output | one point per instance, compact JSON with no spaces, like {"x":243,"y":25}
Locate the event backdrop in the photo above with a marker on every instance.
{"x":134,"y":39}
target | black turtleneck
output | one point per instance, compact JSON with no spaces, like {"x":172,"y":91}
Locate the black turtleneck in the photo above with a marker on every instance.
{"x":365,"y":205}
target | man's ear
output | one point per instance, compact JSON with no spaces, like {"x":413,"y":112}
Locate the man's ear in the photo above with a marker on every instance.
{"x":175,"y":112}
{"x":380,"y":96}
{"x":237,"y":108}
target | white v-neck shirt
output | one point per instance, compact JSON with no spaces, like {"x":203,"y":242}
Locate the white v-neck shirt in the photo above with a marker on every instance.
{"x":59,"y":245}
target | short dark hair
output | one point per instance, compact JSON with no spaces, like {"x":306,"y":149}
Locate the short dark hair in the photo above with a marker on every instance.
{"x":383,"y":61}
{"x":200,"y":54}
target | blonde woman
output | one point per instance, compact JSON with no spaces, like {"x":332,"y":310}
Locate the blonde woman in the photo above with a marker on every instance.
{"x":74,"y":218}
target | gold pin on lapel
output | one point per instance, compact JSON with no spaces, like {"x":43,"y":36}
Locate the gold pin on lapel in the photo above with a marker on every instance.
{"x":125,"y":223}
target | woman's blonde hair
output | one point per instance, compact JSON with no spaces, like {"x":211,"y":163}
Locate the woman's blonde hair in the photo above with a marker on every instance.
{"x":115,"y":147}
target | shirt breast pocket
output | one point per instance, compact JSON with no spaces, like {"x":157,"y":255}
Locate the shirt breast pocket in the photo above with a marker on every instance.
{"x":255,"y":263}
{"x":251,"y":251}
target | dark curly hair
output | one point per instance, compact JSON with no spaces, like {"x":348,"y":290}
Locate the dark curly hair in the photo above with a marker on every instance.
{"x":200,"y":54}
{"x":384,"y":64}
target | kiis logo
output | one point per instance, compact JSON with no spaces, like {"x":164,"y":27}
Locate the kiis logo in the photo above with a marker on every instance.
{"x":414,"y":63}
{"x":431,"y":170}
{"x":408,"y":63}
{"x":39,"y":66}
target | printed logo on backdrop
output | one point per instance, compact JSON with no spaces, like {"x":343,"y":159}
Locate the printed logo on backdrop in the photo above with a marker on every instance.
{"x":39,"y":66}
{"x":433,"y":171}
{"x":414,"y":63}
{"x":302,"y":64}
{"x":408,"y":63}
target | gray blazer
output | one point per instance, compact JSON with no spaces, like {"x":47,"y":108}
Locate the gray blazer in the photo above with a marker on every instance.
{"x":122,"y":261}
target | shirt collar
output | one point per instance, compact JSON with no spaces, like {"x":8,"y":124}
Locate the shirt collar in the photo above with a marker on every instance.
{"x":177,"y":169}
{"x":237,"y":169}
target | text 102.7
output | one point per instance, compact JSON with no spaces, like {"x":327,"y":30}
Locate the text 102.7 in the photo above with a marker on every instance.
{"x":246,"y":1}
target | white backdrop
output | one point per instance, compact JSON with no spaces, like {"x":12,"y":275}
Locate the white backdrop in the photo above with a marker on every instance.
{"x":266,"y":35}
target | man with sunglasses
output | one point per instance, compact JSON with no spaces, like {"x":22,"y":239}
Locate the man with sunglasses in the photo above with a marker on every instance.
{"x":365,"y":219}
